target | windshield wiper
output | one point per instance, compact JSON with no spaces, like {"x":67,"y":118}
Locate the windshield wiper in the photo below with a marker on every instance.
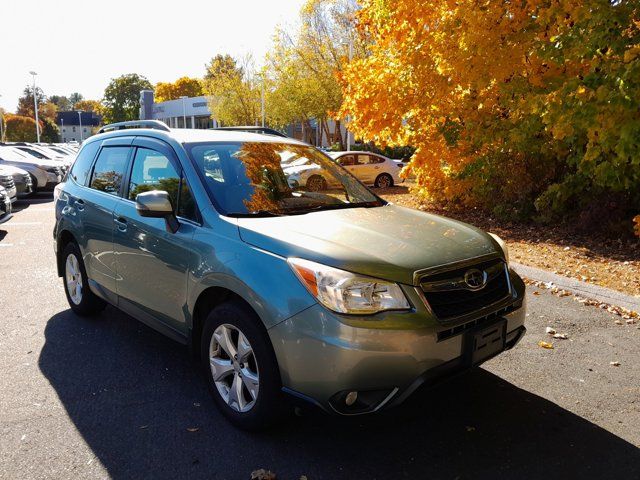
{"x":336,"y":206}
{"x":257,"y":213}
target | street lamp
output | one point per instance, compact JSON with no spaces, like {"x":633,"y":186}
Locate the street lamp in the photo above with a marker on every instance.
{"x":62,"y":130}
{"x":262,"y":101}
{"x":35,"y":102}
{"x":80,"y":120}
{"x":184,"y":111}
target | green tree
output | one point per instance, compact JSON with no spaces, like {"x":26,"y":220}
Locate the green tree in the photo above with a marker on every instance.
{"x":26,"y":106}
{"x":303,"y":68}
{"x":62,"y":102}
{"x":234,"y":91}
{"x":75,"y":97}
{"x":122,"y":97}
{"x":50,"y":131}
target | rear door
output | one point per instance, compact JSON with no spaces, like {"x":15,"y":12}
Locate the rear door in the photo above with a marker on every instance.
{"x":96,"y":205}
{"x":152,"y":262}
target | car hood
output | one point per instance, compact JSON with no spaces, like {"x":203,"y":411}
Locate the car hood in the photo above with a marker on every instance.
{"x":388,"y":242}
{"x":11,"y":170}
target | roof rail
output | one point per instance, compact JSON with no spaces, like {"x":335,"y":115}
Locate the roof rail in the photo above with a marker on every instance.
{"x":252,"y":129}
{"x":155,"y":124}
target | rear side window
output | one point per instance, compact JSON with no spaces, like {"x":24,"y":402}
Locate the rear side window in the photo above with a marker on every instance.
{"x":109,"y":169}
{"x":82,"y":166}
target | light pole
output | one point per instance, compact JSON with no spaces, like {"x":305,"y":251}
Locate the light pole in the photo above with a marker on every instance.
{"x":262,"y":101}
{"x":62,"y":130}
{"x":80,"y":121}
{"x":184,"y":111}
{"x":35,"y":102}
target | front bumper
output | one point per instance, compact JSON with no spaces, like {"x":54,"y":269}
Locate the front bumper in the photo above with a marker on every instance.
{"x":323,"y":356}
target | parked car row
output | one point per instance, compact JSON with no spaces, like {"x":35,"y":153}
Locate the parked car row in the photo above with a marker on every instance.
{"x":26,"y":168}
{"x":5,"y":205}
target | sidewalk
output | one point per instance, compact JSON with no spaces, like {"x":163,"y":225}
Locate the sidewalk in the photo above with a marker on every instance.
{"x":587,"y":290}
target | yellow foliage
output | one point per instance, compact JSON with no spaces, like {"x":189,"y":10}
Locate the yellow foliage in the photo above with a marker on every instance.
{"x":184,"y":86}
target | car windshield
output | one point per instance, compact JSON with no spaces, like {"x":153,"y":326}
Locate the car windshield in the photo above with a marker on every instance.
{"x":256,"y":179}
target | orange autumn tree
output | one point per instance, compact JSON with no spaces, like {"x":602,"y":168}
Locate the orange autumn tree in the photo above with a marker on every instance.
{"x":509,"y":104}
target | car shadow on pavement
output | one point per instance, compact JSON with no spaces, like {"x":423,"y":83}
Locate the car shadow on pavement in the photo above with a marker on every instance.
{"x":143,"y":407}
{"x":25,"y":203}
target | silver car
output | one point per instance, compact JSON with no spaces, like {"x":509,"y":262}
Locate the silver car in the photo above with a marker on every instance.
{"x":22,"y":183}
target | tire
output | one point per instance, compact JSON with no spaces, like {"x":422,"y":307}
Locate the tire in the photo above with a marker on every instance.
{"x":316,"y":183}
{"x":34,"y":187}
{"x":384,"y":180}
{"x":257,"y":402}
{"x":76,"y":284}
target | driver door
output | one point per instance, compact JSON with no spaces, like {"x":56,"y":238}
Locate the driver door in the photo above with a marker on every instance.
{"x":152,"y":263}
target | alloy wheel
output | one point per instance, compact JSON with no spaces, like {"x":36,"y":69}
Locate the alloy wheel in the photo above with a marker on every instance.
{"x":384,"y":181}
{"x":73,"y":278}
{"x":234,"y":368}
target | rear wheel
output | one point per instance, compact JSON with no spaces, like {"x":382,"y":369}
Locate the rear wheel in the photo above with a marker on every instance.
{"x":241,"y":367}
{"x":316,"y":183}
{"x":76,"y":284}
{"x":384,"y":180}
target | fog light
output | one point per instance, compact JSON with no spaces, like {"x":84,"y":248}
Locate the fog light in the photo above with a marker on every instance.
{"x":351,"y":398}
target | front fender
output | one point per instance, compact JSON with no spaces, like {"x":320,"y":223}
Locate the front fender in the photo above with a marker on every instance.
{"x":264,"y":280}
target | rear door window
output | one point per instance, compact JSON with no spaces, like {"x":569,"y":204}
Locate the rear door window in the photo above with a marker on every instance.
{"x":109,"y":169}
{"x":82,"y":166}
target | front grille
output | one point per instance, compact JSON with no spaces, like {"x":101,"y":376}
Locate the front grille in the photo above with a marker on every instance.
{"x":450,"y":298}
{"x":7,"y":182}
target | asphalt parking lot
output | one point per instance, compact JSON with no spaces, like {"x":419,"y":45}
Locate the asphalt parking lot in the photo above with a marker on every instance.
{"x":110,"y":398}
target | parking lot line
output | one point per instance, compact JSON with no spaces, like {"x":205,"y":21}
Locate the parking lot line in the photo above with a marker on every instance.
{"x":6,"y":245}
{"x":20,"y":224}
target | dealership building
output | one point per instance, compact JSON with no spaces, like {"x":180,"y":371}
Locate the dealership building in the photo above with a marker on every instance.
{"x":193,"y":112}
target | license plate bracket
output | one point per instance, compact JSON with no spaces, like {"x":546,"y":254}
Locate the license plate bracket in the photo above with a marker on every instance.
{"x":484,"y":343}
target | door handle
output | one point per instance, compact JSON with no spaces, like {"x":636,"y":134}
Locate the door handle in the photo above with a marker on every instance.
{"x":79,"y":204}
{"x":121,"y":222}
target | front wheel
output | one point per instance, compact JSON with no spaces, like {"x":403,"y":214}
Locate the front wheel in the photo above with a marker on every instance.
{"x":241,"y":367}
{"x":76,"y":284}
{"x":384,"y":180}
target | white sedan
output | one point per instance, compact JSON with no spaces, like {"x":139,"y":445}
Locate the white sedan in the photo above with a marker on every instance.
{"x":370,"y":168}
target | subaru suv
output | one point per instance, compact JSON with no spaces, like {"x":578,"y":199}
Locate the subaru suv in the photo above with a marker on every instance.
{"x":333,"y":297}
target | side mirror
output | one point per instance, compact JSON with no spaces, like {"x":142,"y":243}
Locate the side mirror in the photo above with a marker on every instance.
{"x":157,"y":204}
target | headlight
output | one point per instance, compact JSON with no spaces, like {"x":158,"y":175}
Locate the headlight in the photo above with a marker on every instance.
{"x":503,"y":246}
{"x":346,"y":292}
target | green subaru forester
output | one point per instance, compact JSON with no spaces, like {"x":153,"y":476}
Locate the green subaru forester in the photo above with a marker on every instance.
{"x":334,"y":297}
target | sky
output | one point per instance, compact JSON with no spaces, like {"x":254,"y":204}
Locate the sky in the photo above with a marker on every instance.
{"x":80,"y":45}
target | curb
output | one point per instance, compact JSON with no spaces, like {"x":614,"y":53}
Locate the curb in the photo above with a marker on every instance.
{"x":584,"y":289}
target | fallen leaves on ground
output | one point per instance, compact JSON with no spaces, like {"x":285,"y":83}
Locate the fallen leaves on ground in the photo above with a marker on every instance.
{"x":546,"y":345}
